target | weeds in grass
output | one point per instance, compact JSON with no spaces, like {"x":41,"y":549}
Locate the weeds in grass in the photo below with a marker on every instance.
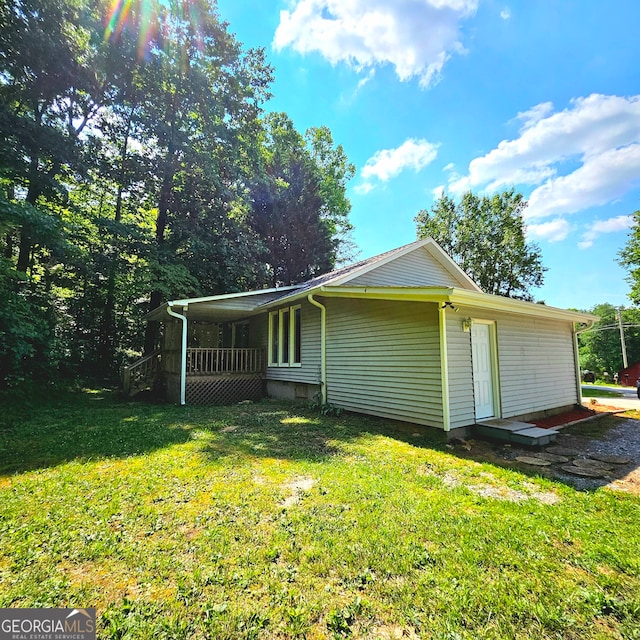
{"x":173,"y":523}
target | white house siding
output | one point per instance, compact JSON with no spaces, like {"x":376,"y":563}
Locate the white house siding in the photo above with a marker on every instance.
{"x":535,"y":360}
{"x":383,"y":358}
{"x":537,"y":366}
{"x":419,"y":268}
{"x":309,"y":371}
{"x":460,"y":367}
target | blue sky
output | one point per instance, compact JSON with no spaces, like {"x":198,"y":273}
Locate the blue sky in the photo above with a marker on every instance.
{"x":426,"y":95}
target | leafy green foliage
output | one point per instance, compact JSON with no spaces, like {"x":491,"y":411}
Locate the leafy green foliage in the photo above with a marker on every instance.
{"x":486,"y":237}
{"x":324,"y":408}
{"x":127,"y":159}
{"x":630,"y":258}
{"x":298,"y":203}
{"x":601,"y":349}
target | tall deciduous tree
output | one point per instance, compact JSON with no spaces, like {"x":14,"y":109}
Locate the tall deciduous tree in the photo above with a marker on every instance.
{"x":127,"y":161}
{"x":49,"y":92}
{"x":199,"y":95}
{"x":298,"y":201}
{"x":601,"y":348}
{"x":486,"y":237}
{"x":630,"y":258}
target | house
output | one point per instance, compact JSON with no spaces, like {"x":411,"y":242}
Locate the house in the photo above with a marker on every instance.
{"x":405,"y":335}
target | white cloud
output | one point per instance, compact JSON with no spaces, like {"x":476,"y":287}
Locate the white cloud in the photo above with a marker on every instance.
{"x":385,"y":164}
{"x":388,"y":163}
{"x":417,"y":37}
{"x":535,"y":114}
{"x":449,"y":167}
{"x":364,"y":188}
{"x":601,"y":134}
{"x":367,"y":78}
{"x":600,"y":180}
{"x":438,"y":192}
{"x":552,"y":231}
{"x":349,"y":99}
{"x":505,"y":14}
{"x":596,"y":229}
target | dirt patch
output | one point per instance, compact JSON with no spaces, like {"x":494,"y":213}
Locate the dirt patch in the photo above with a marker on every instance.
{"x":298,"y":487}
{"x":499,"y":491}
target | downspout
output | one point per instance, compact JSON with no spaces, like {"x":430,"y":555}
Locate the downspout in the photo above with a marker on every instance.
{"x":444,"y":366}
{"x":323,"y":346}
{"x":183,"y":360}
{"x":576,"y":355}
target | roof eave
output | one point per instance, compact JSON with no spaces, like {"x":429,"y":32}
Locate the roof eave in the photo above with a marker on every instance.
{"x":510,"y":305}
{"x":461,"y":297}
{"x":159,"y":312}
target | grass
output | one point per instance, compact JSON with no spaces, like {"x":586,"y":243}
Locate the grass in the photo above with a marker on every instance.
{"x":268,"y":521}
{"x":590,"y":392}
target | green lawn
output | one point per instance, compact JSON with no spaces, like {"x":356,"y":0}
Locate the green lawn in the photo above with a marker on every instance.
{"x":591,"y":392}
{"x":268,"y":521}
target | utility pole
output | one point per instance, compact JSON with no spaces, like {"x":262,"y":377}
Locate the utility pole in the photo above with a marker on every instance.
{"x":622,"y":342}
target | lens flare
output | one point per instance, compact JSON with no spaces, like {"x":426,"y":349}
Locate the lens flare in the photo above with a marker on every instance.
{"x":118,"y":17}
{"x":156,"y":23}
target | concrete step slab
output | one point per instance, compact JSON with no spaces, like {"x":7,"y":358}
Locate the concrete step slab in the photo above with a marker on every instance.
{"x":506,"y":425}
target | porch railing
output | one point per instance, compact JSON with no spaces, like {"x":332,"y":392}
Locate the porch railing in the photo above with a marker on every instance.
{"x":141,"y":374}
{"x":202,"y":362}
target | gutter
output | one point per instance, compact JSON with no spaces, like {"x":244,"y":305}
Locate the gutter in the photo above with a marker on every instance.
{"x":457,"y":297}
{"x":183,"y":359}
{"x":323,"y":346}
{"x":444,"y":367}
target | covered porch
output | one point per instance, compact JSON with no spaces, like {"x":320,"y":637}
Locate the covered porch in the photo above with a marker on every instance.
{"x":217,"y":376}
{"x":207,"y":353}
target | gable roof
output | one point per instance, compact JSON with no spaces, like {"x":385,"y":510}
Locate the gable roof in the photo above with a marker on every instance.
{"x":344,"y":275}
{"x":236,"y":306}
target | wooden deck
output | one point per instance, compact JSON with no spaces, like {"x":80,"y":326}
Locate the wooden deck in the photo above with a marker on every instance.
{"x":206,"y":362}
{"x":214,"y":376}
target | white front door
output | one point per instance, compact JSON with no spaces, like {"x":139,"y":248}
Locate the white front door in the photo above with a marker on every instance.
{"x":482,"y":370}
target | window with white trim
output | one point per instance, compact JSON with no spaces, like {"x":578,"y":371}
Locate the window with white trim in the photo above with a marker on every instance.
{"x":285,"y":337}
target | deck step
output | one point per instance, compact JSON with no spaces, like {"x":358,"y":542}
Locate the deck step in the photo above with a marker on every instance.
{"x":523,"y":433}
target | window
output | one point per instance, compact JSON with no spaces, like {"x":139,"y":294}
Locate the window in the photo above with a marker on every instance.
{"x":285,"y":337}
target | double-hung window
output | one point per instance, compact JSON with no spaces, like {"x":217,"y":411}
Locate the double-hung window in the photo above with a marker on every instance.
{"x":285,"y":337}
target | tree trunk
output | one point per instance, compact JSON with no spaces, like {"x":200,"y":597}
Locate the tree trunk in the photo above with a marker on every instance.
{"x":152,"y":331}
{"x":108,"y":330}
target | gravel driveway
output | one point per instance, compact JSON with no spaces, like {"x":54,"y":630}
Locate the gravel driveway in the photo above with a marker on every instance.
{"x":621,"y":440}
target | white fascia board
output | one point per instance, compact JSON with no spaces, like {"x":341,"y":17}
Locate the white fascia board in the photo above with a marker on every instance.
{"x":407,"y":294}
{"x":509,"y":305}
{"x":227,"y":296}
{"x":159,"y":312}
{"x":451,"y":266}
{"x":461,"y":297}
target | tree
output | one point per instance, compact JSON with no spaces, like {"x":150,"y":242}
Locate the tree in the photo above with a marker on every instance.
{"x":299,"y":206}
{"x":127,"y":163}
{"x":629,"y":258}
{"x":600,"y":348}
{"x":49,"y":92}
{"x":486,"y":237}
{"x":194,"y":101}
